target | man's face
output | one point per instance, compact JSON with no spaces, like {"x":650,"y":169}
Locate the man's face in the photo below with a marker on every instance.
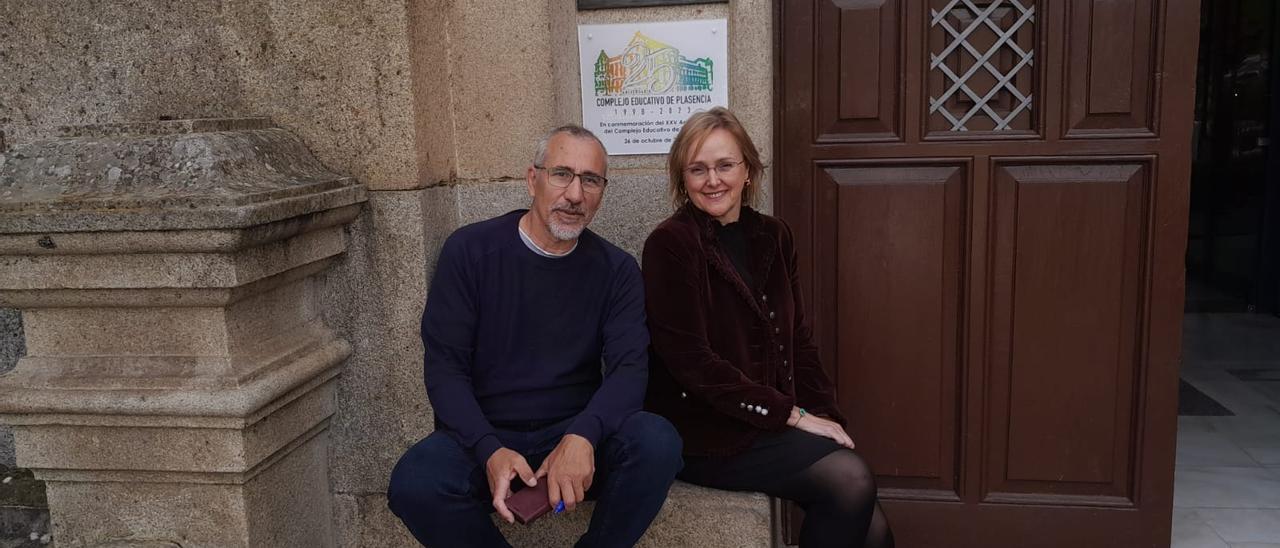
{"x":566,"y":211}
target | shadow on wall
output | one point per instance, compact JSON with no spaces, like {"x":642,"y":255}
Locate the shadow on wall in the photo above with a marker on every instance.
{"x":24,"y":514}
{"x":12,"y":347}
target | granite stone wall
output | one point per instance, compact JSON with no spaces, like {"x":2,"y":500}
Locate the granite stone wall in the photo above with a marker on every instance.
{"x":434,"y":104}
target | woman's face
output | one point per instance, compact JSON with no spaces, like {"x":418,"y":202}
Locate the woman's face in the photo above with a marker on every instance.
{"x":715,"y":176}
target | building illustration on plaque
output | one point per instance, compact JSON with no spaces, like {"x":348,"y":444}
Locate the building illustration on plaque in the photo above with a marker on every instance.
{"x":648,"y":66}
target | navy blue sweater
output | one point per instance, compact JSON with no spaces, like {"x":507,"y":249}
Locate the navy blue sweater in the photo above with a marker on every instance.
{"x":511,"y":336}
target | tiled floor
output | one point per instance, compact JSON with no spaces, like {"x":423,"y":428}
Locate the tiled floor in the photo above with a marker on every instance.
{"x":1227,"y":480}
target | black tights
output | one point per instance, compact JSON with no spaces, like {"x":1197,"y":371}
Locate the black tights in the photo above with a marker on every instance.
{"x":838,"y":494}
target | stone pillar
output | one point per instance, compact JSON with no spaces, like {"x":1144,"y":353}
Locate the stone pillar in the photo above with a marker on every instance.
{"x":179,"y":380}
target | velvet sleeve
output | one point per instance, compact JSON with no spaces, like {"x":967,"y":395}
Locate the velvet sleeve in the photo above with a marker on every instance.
{"x":678,"y":319}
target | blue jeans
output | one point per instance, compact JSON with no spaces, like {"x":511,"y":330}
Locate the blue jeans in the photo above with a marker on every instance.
{"x":442,"y":494}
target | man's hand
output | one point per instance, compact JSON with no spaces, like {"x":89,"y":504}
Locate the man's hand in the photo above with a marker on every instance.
{"x":569,"y":469}
{"x":502,"y":467}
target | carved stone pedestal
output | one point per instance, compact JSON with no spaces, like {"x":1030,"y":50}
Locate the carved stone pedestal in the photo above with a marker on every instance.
{"x":179,"y":380}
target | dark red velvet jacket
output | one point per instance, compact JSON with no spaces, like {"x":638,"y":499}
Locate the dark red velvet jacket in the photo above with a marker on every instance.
{"x":720,"y":348}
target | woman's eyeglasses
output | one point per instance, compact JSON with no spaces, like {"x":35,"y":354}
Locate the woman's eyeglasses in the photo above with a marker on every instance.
{"x":699,"y":172}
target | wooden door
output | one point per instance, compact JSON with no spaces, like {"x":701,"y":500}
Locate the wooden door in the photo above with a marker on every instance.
{"x":990,"y":198}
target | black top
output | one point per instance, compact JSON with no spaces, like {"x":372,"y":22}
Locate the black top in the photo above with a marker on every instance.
{"x":735,"y":244}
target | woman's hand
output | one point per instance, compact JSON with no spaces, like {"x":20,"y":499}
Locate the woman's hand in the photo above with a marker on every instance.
{"x":819,"y":426}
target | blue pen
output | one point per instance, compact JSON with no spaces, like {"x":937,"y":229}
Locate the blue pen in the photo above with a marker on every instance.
{"x":560,"y":507}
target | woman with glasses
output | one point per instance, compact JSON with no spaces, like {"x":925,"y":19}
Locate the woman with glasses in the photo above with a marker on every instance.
{"x":733,"y":366}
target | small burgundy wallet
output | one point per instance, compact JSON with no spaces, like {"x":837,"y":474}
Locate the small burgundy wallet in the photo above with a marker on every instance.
{"x":529,"y":503}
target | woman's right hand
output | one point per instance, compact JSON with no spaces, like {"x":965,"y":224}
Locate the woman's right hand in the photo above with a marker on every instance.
{"x":819,"y":426}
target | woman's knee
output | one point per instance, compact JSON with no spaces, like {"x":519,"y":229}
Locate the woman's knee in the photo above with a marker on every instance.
{"x":849,"y":477}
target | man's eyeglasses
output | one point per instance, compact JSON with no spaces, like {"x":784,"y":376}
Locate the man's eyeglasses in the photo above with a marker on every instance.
{"x":699,"y":172}
{"x":561,"y":177}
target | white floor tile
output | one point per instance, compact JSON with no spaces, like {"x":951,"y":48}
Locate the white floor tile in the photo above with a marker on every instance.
{"x":1210,"y":449}
{"x":1243,"y":525}
{"x":1190,"y":531}
{"x":1226,"y":487}
{"x":1237,"y":396}
{"x":1208,"y":372}
{"x":1220,"y":499}
{"x":1248,"y":431}
{"x":1266,"y":456}
{"x":1195,"y":424}
{"x":1231,"y":337}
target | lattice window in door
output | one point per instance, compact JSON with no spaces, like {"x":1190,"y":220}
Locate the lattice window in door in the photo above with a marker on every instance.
{"x":981,"y":65}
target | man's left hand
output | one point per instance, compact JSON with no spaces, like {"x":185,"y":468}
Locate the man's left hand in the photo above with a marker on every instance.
{"x":569,"y":469}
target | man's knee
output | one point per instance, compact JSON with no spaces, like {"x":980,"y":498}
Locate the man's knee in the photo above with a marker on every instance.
{"x":428,"y":475}
{"x":652,"y":440}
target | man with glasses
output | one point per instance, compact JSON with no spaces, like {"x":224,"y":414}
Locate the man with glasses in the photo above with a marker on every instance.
{"x":535,"y":364}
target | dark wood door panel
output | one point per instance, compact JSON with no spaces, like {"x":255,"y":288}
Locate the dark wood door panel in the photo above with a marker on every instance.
{"x":1110,"y":68}
{"x":1066,"y":309}
{"x":862,"y":39}
{"x":898,"y":251}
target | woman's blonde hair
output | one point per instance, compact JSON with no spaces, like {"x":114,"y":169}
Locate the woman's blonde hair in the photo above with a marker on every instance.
{"x":690,"y":139}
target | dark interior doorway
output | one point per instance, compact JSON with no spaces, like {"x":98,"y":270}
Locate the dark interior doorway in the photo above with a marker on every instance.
{"x":1233,"y":252}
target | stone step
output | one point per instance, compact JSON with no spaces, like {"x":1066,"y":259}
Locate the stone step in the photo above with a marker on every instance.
{"x":692,"y":516}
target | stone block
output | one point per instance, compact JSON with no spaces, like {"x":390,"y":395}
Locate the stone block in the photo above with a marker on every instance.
{"x":285,"y":505}
{"x":633,"y":204}
{"x":432,"y":78}
{"x":374,"y":297}
{"x":334,"y":73}
{"x":194,"y":331}
{"x":479,"y":201}
{"x":365,"y":520}
{"x":503,"y":93}
{"x":172,"y":445}
{"x":144,"y":178}
{"x":751,"y":71}
{"x":692,"y":516}
{"x":179,"y":381}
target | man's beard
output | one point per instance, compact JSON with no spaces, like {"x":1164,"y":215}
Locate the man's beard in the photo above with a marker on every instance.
{"x":566,"y":233}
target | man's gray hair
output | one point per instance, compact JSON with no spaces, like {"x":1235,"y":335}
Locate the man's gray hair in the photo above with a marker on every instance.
{"x":540,"y":155}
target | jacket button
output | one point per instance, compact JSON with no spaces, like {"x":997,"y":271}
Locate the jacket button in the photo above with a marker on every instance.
{"x":777,"y":330}
{"x":772,"y":315}
{"x":780,"y":347}
{"x":788,"y":377}
{"x":784,"y":363}
{"x":764,"y":298}
{"x":684,"y":395}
